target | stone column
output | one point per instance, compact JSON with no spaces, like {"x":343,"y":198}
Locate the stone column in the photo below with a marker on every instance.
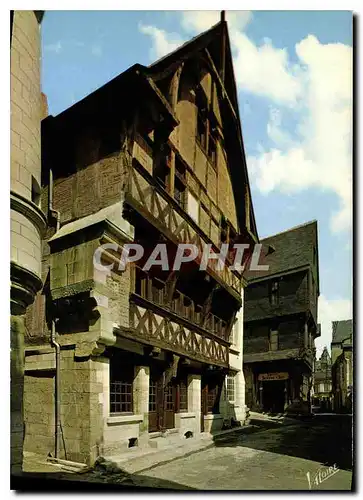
{"x":240,"y":406}
{"x":194,"y":397}
{"x":141,"y":400}
{"x":17,"y":390}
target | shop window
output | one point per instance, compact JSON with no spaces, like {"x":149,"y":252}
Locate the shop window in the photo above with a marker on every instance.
{"x":121,"y":385}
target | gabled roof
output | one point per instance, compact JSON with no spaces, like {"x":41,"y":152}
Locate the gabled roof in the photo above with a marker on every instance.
{"x":342,"y":330}
{"x":212,"y":40}
{"x":287,"y":251}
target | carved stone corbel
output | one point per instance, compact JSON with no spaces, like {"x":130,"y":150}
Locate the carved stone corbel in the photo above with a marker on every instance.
{"x":87,"y":349}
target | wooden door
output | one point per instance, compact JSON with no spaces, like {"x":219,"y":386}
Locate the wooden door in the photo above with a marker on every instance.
{"x":161,"y":402}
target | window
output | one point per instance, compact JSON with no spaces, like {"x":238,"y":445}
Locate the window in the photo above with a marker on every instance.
{"x":202,"y":118}
{"x":183,"y":395}
{"x":230,"y":389}
{"x":234,"y":332}
{"x":193,"y":207}
{"x":206,"y":127}
{"x":152,"y":395}
{"x":224,"y":231}
{"x":179,"y":183}
{"x":274,"y":340}
{"x":161,"y":170}
{"x":212,"y":149}
{"x":274,"y":293}
{"x":121,"y":385}
{"x":162,"y":175}
{"x":140,"y":282}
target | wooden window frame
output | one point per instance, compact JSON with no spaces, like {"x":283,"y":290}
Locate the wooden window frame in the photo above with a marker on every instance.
{"x":274,"y":293}
{"x":207,"y":122}
{"x":121,"y":389}
{"x":230,"y":388}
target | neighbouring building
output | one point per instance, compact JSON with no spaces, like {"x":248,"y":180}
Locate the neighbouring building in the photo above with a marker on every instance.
{"x":27,"y":218}
{"x":115,"y":360}
{"x":323,"y":382}
{"x":281,"y":322}
{"x":342,"y":365}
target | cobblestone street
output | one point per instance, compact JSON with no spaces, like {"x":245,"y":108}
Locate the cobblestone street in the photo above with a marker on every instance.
{"x":273,"y":459}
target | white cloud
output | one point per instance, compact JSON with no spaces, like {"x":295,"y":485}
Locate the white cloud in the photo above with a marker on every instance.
{"x":195,"y":21}
{"x":163,"y":42}
{"x":264,"y":70}
{"x":274,"y":130}
{"x":328,"y":311}
{"x":318,"y":89}
{"x":322,"y":158}
{"x":54,"y":47}
{"x":96,"y":50}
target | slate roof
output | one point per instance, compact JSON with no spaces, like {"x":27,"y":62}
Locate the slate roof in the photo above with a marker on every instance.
{"x":288,"y":250}
{"x":341,"y":330}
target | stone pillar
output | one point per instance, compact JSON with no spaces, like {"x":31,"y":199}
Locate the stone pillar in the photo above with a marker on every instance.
{"x":83,"y":401}
{"x":17,"y":389}
{"x":141,"y":400}
{"x":27,"y":222}
{"x":239,"y":405}
{"x":194,"y":397}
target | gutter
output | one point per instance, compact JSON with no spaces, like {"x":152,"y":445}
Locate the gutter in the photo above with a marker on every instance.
{"x":56,"y":215}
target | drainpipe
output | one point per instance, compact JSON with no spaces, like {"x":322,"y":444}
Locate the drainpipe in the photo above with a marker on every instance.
{"x":57,"y":388}
{"x":55,"y":214}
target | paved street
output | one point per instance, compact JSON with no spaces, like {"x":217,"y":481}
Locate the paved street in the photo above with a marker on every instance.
{"x":273,"y":459}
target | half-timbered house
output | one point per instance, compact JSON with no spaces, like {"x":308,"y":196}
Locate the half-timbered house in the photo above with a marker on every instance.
{"x":119,"y":359}
{"x":281,"y":325}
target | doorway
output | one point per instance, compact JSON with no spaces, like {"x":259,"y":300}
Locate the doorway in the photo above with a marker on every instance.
{"x":273,"y":396}
{"x":211,"y":390}
{"x":161,"y":402}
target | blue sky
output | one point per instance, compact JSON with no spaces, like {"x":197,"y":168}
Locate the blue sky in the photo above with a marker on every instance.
{"x":294,"y":77}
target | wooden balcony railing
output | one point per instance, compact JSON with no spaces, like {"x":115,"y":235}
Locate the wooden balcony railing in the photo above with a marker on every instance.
{"x":157,"y":291}
{"x":146,"y":196}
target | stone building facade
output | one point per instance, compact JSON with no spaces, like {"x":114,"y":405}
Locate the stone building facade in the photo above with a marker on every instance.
{"x":281,"y":322}
{"x":122,"y":358}
{"x":27,"y":219}
{"x":323,"y":382}
{"x":342,"y":366}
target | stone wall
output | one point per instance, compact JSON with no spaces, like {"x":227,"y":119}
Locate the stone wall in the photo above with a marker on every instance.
{"x":39,"y":410}
{"x":26,"y":103}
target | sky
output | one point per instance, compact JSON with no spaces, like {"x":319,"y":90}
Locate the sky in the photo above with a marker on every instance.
{"x":294,"y":78}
